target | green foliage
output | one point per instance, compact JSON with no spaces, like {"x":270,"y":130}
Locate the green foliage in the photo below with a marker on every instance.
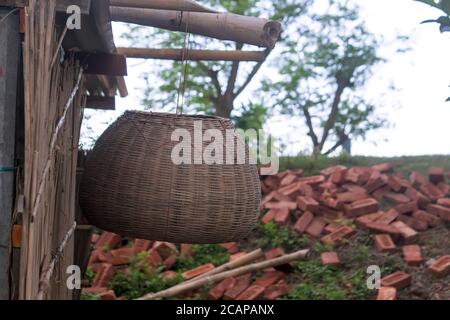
{"x":278,"y":236}
{"x":202,"y":254}
{"x":89,"y":275}
{"x":89,"y":296}
{"x":140,"y":279}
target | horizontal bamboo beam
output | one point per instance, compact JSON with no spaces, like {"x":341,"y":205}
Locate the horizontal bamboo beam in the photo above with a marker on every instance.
{"x":178,"y":5}
{"x":223,"y":26}
{"x":192,"y":55}
{"x":101,"y":103}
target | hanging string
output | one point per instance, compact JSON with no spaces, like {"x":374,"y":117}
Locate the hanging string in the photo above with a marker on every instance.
{"x":184,"y":68}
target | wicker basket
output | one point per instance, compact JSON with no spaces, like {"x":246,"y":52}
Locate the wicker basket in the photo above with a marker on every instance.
{"x":132,"y":187}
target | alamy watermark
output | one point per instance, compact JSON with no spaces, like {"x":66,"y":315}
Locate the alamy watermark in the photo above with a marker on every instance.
{"x":229,"y":147}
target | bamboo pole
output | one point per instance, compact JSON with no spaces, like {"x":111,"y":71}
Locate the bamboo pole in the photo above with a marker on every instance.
{"x":189,"y":286}
{"x":178,"y":5}
{"x":193,"y":55}
{"x":223,"y":26}
{"x":250,"y":257}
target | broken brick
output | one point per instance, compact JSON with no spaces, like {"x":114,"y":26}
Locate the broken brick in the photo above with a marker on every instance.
{"x":384,"y":243}
{"x":303,"y":222}
{"x":424,"y":216}
{"x":186,"y":251}
{"x":383,"y":228}
{"x":170,"y":261}
{"x":338,"y":235}
{"x":122,"y":256}
{"x":108,"y":240}
{"x":251,"y":293}
{"x":388,"y":217}
{"x":398,"y":280}
{"x":104,"y":275}
{"x":408,"y":234}
{"x":277,"y":291}
{"x":141,"y":245}
{"x":154,"y":259}
{"x":269,"y":216}
{"x":441,"y":267}
{"x":165,"y":249}
{"x":269,"y":278}
{"x":397,"y":184}
{"x":363,"y":220}
{"x":415,"y":195}
{"x":361,"y":207}
{"x":406,"y":207}
{"x":307,"y":204}
{"x":316,"y":227}
{"x":387,"y":293}
{"x":330,"y":259}
{"x":375,"y":182}
{"x":414,"y":223}
{"x":431,"y":191}
{"x":412,"y":255}
{"x":274,"y":253}
{"x":231,"y":247}
{"x":218,"y":291}
{"x":193,"y":273}
{"x":282,"y":216}
{"x":239,"y":286}
{"x":107,"y":295}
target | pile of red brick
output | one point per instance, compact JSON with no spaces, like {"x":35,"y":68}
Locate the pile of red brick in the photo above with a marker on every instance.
{"x":109,"y":258}
{"x":331,"y":205}
{"x":327,"y":207}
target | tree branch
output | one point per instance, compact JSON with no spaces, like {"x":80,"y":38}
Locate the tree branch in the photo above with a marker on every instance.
{"x":214,"y":78}
{"x":308,"y":120}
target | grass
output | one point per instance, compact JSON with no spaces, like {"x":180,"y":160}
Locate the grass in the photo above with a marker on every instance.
{"x":203,"y":254}
{"x":404,"y":165}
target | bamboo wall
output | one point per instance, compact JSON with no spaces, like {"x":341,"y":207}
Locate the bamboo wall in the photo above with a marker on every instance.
{"x":54,"y":96}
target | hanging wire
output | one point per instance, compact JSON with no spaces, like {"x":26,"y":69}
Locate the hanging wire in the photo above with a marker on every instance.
{"x":184,"y":68}
{"x":8,"y":14}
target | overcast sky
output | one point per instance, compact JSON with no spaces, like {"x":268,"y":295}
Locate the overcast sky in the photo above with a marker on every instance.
{"x":418,"y":111}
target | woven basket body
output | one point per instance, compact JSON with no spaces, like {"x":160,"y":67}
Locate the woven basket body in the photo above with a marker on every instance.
{"x":132,"y":187}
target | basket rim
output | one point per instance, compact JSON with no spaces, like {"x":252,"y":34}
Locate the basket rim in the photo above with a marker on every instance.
{"x":173,"y":115}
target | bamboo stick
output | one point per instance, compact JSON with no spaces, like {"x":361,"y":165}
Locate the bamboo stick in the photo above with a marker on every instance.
{"x":184,"y":287}
{"x":250,"y":257}
{"x":178,"y":5}
{"x":223,"y":26}
{"x":193,"y":55}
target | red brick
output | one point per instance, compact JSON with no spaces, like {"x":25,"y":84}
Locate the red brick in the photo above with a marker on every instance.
{"x":168,"y":275}
{"x":384,"y":243}
{"x":94,"y":258}
{"x":142,"y":245}
{"x":307,"y":204}
{"x":107,"y":295}
{"x":277,"y":291}
{"x":414,"y":223}
{"x":387,"y":293}
{"x":388,"y":217}
{"x":282,"y":216}
{"x":122,"y":256}
{"x":269,"y":216}
{"x":352,"y":175}
{"x":353,"y":188}
{"x":431,"y":191}
{"x":445,"y":202}
{"x":154,"y":259}
{"x":338,"y":176}
{"x":415,"y":195}
{"x":424,"y":216}
{"x":397,"y":197}
{"x":170,"y":262}
{"x":282,"y":204}
{"x":217,"y":292}
{"x":444,"y":187}
{"x":412,"y":255}
{"x":406,"y":207}
{"x":384,"y":167}
{"x":104,"y":256}
{"x":381,"y":192}
{"x":330,"y":170}
{"x":306,"y":190}
{"x":330,"y":259}
{"x":108,"y":240}
{"x":441,"y":267}
{"x":439,"y":211}
{"x":330,"y":202}
{"x":363,"y":220}
{"x":397,"y":184}
{"x":303,"y":222}
{"x":197,"y":271}
{"x":251,"y":293}
{"x":383,"y":228}
{"x":165,"y":249}
{"x":94,"y":290}
{"x":104,"y":275}
{"x":331,"y":214}
{"x":290,"y":190}
{"x":338,"y":235}
{"x":288,"y":179}
{"x":274,"y":253}
{"x":186,"y":251}
{"x":328,"y":187}
{"x":398,"y":280}
{"x":436,"y":175}
{"x":269,"y":278}
{"x":237,"y":256}
{"x":375,"y":182}
{"x":231,"y":247}
{"x":331,"y":228}
{"x":240,"y":285}
{"x":348,"y":197}
{"x":408,"y":234}
{"x":361,"y":207}
{"x":313,"y":180}
{"x":316,"y":227}
{"x":96,"y":267}
{"x":416,"y":179}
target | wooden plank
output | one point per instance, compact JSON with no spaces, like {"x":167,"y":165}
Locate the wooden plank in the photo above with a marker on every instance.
{"x":193,"y":55}
{"x":103,"y":64}
{"x":14,"y":3}
{"x":101,"y":103}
